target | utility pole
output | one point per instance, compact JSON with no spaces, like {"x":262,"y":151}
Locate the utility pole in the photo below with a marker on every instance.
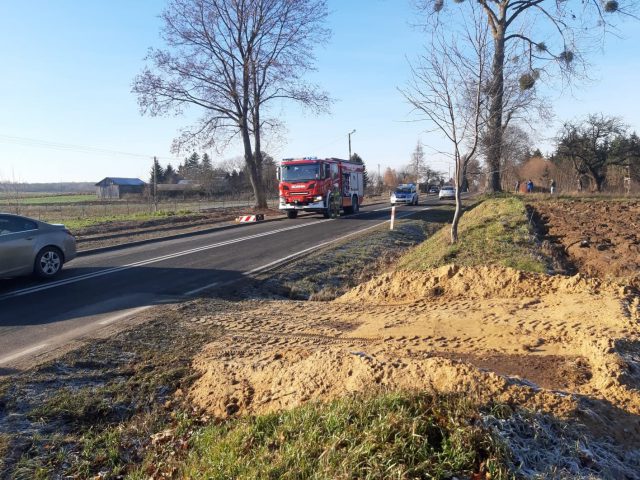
{"x":349,"y":135}
{"x":155,"y":184}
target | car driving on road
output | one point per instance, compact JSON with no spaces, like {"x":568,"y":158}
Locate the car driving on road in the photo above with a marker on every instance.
{"x":447,"y":192}
{"x":405,"y":193}
{"x":29,"y":246}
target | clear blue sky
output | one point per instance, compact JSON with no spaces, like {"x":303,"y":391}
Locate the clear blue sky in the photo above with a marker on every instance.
{"x":68,"y":67}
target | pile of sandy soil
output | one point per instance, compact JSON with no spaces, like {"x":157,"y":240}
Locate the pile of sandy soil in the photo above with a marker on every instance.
{"x":541,"y":342}
{"x":472,"y":283}
{"x":601,"y":238}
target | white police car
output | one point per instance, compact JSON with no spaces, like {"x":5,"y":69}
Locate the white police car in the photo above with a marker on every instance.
{"x":405,"y":193}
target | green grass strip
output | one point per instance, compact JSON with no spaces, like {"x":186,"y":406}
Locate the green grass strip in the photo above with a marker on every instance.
{"x":494,"y":232}
{"x":390,"y":436}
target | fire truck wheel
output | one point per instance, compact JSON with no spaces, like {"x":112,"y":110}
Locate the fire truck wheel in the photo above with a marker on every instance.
{"x":333,"y":209}
{"x":292,"y":213}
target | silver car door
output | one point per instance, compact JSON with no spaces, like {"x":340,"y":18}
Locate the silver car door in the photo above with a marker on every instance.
{"x":17,"y":240}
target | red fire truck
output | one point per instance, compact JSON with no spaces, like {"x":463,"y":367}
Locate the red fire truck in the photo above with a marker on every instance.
{"x":324,"y":186}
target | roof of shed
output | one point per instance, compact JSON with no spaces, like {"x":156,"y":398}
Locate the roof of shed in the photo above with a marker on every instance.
{"x":136,"y":182}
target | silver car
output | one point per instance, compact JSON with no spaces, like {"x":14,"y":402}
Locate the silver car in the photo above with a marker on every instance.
{"x":446,"y":192}
{"x":29,"y":246}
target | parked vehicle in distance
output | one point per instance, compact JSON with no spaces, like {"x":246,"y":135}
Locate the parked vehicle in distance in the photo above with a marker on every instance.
{"x":405,"y":193}
{"x":29,"y":246}
{"x":434,"y":189}
{"x":447,"y":192}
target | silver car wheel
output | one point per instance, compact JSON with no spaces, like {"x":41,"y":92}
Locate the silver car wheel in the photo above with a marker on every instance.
{"x":50,"y":262}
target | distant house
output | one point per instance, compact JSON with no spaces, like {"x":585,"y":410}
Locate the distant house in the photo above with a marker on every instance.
{"x":115,"y":187}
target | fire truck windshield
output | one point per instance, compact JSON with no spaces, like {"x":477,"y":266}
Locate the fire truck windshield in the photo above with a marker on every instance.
{"x":300,"y":172}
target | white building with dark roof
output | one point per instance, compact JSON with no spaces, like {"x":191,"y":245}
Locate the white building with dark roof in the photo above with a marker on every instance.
{"x":117,"y":187}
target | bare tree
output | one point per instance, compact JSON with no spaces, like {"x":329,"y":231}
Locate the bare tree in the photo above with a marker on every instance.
{"x":390,"y":178}
{"x":444,"y":79}
{"x":417,"y":165}
{"x":516,"y":148}
{"x":549,"y":35}
{"x":231,"y":59}
{"x":594,"y":144}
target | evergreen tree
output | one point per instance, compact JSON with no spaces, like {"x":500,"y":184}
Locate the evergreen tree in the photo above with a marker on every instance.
{"x":355,"y":158}
{"x":159,"y":173}
{"x":206,"y":165}
{"x":189,"y":170}
{"x":269,"y":174}
{"x":170,"y":175}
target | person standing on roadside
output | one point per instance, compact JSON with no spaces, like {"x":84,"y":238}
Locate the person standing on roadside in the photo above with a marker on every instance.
{"x":529,"y":186}
{"x":517,"y":186}
{"x":553,"y":187}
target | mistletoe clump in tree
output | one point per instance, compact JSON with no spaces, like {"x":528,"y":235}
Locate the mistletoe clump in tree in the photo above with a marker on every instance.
{"x":543,"y":37}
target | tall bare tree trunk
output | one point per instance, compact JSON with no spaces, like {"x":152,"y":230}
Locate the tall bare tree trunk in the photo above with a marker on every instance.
{"x":255,"y":173}
{"x":460,"y":166}
{"x":495,"y":112}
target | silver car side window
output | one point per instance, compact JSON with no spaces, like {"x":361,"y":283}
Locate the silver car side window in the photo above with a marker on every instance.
{"x":14,"y":225}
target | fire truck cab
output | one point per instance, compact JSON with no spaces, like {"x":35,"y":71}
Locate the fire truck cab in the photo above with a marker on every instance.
{"x":326,"y":186}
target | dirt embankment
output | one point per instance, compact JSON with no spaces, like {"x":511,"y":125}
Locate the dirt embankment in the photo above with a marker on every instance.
{"x":279,"y":354}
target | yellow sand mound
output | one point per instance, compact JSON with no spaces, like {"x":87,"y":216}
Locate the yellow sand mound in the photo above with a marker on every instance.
{"x":452,"y":281}
{"x":494,"y":333}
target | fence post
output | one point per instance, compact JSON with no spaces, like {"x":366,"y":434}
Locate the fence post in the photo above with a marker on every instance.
{"x":393,"y":217}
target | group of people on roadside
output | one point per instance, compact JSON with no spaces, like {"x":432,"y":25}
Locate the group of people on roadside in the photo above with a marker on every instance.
{"x":530,"y":186}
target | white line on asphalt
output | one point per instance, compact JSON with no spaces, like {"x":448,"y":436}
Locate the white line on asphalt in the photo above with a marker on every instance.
{"x":201,"y":289}
{"x":122,"y":315}
{"x":275,"y":263}
{"x":141,"y":263}
{"x":22,"y":353}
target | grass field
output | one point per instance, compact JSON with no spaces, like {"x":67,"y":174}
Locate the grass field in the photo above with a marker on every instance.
{"x":78,"y":211}
{"x":46,"y":199}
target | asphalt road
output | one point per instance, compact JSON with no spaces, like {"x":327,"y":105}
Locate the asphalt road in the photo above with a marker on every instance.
{"x":99,"y":289}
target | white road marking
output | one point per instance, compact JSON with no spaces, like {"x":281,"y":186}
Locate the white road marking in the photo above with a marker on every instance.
{"x":109,"y":271}
{"x":279,"y":261}
{"x":22,"y":353}
{"x":120,"y":316}
{"x":201,"y":289}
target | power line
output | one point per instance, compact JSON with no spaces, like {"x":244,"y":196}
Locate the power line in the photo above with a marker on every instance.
{"x":67,"y":147}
